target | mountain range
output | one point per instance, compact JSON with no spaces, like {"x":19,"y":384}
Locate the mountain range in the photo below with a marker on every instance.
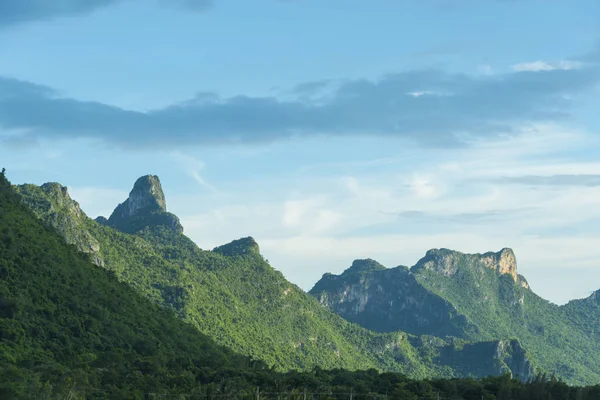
{"x":450,"y":315}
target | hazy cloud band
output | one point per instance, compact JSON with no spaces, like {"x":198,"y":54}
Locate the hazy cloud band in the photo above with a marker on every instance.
{"x":428,"y":106}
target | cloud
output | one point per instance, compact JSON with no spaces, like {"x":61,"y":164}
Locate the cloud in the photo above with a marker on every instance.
{"x":423,"y":187}
{"x":538,"y":66}
{"x":193,"y":168}
{"x":478,"y":217}
{"x":554,"y":180}
{"x":189,"y":5}
{"x":474,"y":106}
{"x":13,"y":12}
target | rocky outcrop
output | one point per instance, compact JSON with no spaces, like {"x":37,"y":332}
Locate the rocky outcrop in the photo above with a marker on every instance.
{"x":145,"y":207}
{"x":490,"y":358}
{"x":447,"y":262}
{"x":53,"y":204}
{"x":387,"y":300}
{"x":522,"y":281}
{"x":239,"y":247}
{"x":400,"y":298}
{"x":595,"y":297}
{"x":101,"y":220}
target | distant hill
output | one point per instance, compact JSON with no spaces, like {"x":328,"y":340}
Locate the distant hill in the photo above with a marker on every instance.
{"x":473,"y":297}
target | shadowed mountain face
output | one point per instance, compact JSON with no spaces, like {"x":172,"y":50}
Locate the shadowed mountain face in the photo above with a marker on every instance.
{"x":388,"y":300}
{"x":234,"y":296}
{"x":474,"y":297}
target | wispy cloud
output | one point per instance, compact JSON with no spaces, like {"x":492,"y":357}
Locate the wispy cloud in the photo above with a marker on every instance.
{"x":538,"y":66}
{"x":193,"y":168}
{"x":480,"y":217}
{"x":553,"y":180}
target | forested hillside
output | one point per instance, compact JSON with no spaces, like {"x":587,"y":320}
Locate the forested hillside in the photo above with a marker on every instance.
{"x":69,"y":328}
{"x":474,"y":297}
{"x":234,"y":296}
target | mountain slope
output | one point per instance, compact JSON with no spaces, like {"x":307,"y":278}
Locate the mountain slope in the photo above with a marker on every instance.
{"x":233,"y":295}
{"x":471,"y":296}
{"x":355,"y":295}
{"x":585,"y":314}
{"x":69,"y":329}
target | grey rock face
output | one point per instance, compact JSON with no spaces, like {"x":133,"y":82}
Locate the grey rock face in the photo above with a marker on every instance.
{"x":146,"y":196}
{"x":446,"y":262}
{"x":388,"y":300}
{"x":145,"y":207}
{"x":508,"y":357}
{"x":53,"y":204}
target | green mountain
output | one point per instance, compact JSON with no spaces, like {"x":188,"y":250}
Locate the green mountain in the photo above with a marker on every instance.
{"x":235,"y":297}
{"x":69,"y":329}
{"x":475,"y":297}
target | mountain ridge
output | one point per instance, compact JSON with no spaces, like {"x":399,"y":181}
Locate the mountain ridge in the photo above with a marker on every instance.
{"x":475,"y":297}
{"x":218,"y":291}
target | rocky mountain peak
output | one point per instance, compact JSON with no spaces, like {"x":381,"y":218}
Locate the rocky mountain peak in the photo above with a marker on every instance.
{"x":145,"y":206}
{"x":239,"y":247}
{"x":60,"y":198}
{"x":504,"y":261}
{"x":146,"y":196}
{"x":364,"y":265}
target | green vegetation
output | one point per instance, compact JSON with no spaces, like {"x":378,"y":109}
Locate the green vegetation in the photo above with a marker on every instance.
{"x":475,"y":297}
{"x":500,"y":308}
{"x":71,"y":330}
{"x":235,"y":297}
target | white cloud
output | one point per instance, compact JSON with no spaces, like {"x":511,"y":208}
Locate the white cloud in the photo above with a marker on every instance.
{"x":423,"y":187}
{"x":294,"y":211}
{"x":539,"y":65}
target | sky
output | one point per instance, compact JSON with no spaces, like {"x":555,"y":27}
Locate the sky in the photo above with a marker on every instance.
{"x":327,"y":130}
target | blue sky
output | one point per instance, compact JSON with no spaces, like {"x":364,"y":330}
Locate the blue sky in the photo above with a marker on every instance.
{"x":327,"y":130}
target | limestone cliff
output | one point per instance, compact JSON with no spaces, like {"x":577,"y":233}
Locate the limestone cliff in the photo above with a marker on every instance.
{"x":53,"y":204}
{"x":446,"y":262}
{"x":145,"y":207}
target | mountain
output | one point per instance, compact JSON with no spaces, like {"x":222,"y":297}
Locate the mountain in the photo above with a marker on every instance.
{"x":585,"y":314}
{"x":69,"y":329}
{"x":235,"y":297}
{"x":475,"y":297}
{"x":387,"y":300}
{"x":145,"y":207}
